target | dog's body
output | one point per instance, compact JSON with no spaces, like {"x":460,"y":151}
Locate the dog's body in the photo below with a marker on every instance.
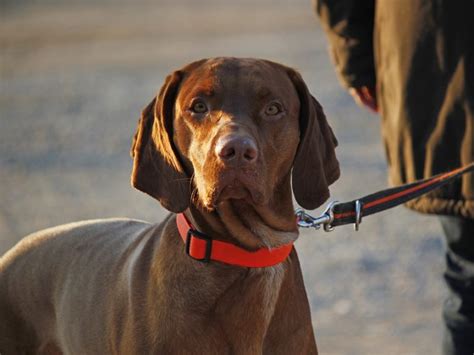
{"x":128,"y":287}
{"x":117,"y":287}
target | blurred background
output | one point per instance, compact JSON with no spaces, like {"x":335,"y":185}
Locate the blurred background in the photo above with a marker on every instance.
{"x":74,"y":78}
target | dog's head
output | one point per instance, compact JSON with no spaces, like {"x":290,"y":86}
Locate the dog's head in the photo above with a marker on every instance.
{"x":233,"y":129}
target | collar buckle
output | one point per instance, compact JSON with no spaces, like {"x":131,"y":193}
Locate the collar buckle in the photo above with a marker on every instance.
{"x":194,"y":233}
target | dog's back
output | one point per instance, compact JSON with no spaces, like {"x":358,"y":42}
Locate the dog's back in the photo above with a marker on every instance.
{"x":40,"y":286}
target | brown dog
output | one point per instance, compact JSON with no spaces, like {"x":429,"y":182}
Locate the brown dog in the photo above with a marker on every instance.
{"x":220,"y":142}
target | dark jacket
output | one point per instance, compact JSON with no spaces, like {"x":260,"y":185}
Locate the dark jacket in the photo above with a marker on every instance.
{"x":420,"y":56}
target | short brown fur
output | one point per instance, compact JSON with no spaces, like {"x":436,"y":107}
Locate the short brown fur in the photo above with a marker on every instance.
{"x":122,"y":286}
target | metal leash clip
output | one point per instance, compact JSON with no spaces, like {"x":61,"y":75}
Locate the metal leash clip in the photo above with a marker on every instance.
{"x":326,"y":218}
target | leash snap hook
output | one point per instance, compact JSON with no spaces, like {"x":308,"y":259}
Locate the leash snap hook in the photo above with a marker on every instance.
{"x":304,"y":220}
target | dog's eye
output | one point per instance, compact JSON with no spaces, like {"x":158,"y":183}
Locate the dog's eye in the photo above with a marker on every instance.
{"x":273,"y":109}
{"x":199,"y":107}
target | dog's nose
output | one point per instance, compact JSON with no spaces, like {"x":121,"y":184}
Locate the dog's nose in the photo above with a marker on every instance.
{"x":236,"y":149}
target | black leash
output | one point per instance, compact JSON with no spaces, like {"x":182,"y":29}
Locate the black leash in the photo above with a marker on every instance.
{"x":337,"y":214}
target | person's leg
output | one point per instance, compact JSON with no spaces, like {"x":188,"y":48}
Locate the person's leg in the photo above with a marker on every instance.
{"x":458,"y":310}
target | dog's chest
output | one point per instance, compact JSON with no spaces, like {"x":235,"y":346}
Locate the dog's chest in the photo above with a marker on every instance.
{"x":246,"y":309}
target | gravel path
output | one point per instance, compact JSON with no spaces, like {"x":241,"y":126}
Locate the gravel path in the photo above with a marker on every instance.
{"x":74,"y":78}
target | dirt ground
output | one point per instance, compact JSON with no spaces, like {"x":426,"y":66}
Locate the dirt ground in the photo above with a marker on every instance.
{"x":74,"y":78}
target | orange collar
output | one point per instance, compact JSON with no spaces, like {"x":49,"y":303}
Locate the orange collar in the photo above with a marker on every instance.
{"x":202,"y":248}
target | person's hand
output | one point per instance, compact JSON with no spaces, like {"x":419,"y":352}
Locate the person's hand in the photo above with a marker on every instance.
{"x":365,"y":96}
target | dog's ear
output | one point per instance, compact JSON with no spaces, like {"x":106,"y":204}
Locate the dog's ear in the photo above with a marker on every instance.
{"x":315,"y":166}
{"x":157,"y":170}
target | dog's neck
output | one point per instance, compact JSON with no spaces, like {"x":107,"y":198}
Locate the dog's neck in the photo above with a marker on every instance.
{"x":250,"y":226}
{"x":224,"y":291}
{"x":255,"y":290}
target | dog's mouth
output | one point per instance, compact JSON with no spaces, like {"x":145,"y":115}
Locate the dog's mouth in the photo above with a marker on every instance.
{"x":236,"y":191}
{"x":236,"y":185}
